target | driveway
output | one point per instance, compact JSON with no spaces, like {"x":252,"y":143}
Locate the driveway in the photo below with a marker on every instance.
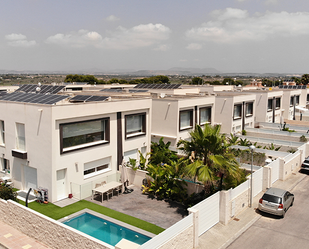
{"x":274,"y":232}
{"x":158,"y":212}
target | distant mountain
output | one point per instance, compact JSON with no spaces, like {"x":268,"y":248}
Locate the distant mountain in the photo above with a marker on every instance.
{"x":193,"y":70}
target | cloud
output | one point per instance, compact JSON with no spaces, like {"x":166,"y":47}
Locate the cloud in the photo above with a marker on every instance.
{"x":194,"y":46}
{"x":234,"y":25}
{"x":19,"y":40}
{"x":143,"y":35}
{"x":162,"y":47}
{"x":112,"y":18}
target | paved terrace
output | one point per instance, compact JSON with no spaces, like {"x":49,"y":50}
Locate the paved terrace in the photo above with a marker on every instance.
{"x":159,"y":212}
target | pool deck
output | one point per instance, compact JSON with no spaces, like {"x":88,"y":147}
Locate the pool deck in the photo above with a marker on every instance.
{"x":136,"y":204}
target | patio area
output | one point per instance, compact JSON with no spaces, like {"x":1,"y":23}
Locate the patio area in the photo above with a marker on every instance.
{"x":159,"y":212}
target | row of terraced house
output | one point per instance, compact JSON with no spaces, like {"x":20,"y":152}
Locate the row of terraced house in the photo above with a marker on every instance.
{"x":64,"y":137}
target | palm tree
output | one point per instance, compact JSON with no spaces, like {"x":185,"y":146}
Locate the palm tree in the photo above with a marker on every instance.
{"x":210,"y":157}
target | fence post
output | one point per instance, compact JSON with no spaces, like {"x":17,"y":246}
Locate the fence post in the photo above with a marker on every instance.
{"x":266,"y":177}
{"x":224,"y":207}
{"x":195,"y":213}
{"x":281,"y":169}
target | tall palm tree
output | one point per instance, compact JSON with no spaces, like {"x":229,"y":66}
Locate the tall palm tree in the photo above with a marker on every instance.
{"x":209,"y":155}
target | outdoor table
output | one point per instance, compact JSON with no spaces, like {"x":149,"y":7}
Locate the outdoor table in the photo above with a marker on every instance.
{"x":105,"y":187}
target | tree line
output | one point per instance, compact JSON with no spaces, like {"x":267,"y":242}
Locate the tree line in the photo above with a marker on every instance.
{"x":90,"y":79}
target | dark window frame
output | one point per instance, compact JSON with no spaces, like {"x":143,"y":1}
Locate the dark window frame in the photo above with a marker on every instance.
{"x":269,"y":105}
{"x":297,"y":97}
{"x":85,"y":145}
{"x":205,"y":108}
{"x":191,"y":119}
{"x":133,"y":134}
{"x":278,"y":100}
{"x":249,"y":114}
{"x":291,"y":101}
{"x":240,"y":107}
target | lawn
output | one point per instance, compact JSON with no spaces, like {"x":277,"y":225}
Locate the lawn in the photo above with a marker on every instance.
{"x":57,"y":213}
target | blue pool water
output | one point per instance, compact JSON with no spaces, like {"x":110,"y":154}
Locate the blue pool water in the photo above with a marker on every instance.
{"x":104,"y":230}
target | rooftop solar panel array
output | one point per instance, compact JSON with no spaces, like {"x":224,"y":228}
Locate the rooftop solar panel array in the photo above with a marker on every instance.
{"x":48,"y":99}
{"x":30,"y":88}
{"x":293,"y":87}
{"x":87,"y":98}
{"x":157,"y":86}
{"x":111,"y":90}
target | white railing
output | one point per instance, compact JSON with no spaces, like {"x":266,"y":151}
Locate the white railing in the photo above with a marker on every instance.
{"x":169,"y":233}
{"x":239,"y":189}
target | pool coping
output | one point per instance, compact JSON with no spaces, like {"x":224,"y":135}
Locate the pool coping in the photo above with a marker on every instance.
{"x":102,"y":216}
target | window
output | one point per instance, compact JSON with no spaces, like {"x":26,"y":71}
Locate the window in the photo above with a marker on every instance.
{"x":186,"y":119}
{"x":2,"y":138}
{"x":297,"y":100}
{"x":278,"y":103}
{"x":20,"y":137}
{"x":205,"y":115}
{"x":307,"y":97}
{"x":249,"y":109}
{"x":135,"y":125}
{"x":96,"y":167}
{"x":4,"y":165}
{"x":83,"y":134}
{"x":292,"y":101}
{"x":237,"y":111}
{"x":270,"y":105}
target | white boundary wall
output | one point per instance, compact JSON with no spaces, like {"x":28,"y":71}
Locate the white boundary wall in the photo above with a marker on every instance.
{"x":209,"y":212}
{"x":274,"y":171}
{"x":169,"y":234}
{"x":257,"y":182}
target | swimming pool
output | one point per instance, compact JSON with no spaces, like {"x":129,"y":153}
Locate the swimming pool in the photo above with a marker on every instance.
{"x":104,"y":230}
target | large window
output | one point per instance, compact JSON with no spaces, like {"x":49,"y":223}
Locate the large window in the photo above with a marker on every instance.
{"x":249,"y":109}
{"x":186,"y":119}
{"x":82,"y":134}
{"x":205,"y":115}
{"x":135,"y":125}
{"x":20,"y":137}
{"x":278,"y":103}
{"x":2,"y":137}
{"x":237,"y":111}
{"x":270,"y":105}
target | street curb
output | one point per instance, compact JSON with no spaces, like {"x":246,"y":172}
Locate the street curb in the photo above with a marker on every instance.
{"x":240,"y":232}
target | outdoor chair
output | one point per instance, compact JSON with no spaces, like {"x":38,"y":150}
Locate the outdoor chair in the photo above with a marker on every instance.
{"x":96,"y":193}
{"x":117,"y":190}
{"x":108,"y":193}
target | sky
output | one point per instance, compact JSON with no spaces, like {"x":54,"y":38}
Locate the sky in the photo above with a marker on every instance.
{"x":239,"y":36}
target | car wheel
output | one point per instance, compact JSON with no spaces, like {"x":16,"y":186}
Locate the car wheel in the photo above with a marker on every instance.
{"x":292,"y":202}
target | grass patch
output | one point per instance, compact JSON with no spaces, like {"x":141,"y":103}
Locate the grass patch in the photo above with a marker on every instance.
{"x":57,"y":213}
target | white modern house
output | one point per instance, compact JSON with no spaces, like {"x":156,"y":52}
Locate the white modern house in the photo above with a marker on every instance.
{"x":64,"y":141}
{"x":174,"y":116}
{"x":235,"y":111}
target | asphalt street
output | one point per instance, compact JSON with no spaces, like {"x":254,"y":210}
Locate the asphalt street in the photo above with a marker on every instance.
{"x":275,"y":232}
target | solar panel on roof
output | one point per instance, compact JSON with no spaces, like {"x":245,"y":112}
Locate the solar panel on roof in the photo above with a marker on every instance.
{"x":30,"y":88}
{"x":49,"y":99}
{"x":281,"y":86}
{"x":87,"y":98}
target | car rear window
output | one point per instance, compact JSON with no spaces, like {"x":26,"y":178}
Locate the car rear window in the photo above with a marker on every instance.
{"x":271,"y":198}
